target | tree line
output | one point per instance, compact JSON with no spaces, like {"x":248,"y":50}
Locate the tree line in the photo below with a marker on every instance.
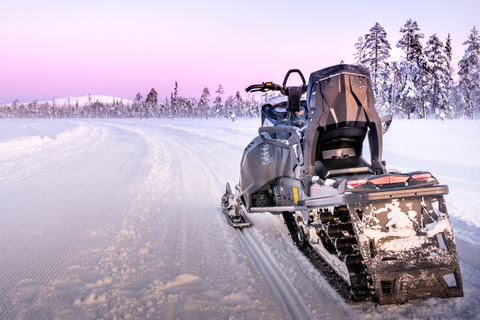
{"x":150,"y":107}
{"x":422,"y":82}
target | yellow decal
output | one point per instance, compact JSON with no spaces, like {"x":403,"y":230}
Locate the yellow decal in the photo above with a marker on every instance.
{"x":295,"y":194}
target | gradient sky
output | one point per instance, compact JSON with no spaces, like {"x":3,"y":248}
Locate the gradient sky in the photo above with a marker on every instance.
{"x":56,"y":49}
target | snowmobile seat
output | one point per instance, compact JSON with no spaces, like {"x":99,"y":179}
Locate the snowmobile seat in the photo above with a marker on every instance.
{"x":339,"y":152}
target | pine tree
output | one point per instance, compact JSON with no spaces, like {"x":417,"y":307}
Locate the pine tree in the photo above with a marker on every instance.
{"x":137,"y":105}
{"x":448,"y":50}
{"x":451,"y":107}
{"x":228,"y":109}
{"x":187,"y":105}
{"x":151,"y":103}
{"x":469,"y":71}
{"x":218,"y":101}
{"x":359,"y":55}
{"x":438,"y":79}
{"x":411,"y":94}
{"x":203,"y":104}
{"x":377,"y":48}
{"x":383,"y":90}
{"x":410,"y":42}
{"x":238,"y":105}
{"x":376,"y":53}
{"x":406,"y":90}
{"x":35,"y":106}
{"x":173,"y":101}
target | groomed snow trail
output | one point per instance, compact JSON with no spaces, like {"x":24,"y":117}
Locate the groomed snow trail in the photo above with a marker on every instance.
{"x":121,"y":219}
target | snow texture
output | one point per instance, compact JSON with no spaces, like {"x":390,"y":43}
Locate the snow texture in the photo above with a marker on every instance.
{"x":120,"y":219}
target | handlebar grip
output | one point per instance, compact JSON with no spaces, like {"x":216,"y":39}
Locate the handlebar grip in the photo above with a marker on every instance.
{"x":264,"y":87}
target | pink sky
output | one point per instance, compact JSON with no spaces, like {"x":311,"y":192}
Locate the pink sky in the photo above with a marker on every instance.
{"x":56,"y":49}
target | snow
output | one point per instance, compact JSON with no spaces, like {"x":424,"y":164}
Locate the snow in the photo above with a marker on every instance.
{"x":120,"y":219}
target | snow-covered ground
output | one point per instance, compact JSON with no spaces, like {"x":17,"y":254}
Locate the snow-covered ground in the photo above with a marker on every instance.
{"x":120,"y":219}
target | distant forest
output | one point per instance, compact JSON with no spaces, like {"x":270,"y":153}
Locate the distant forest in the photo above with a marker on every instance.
{"x":420,"y":84}
{"x":148,"y":107}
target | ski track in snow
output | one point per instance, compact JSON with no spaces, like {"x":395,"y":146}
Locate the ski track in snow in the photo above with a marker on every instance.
{"x":121,"y":219}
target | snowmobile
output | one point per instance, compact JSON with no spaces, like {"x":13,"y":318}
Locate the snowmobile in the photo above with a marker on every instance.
{"x":374,"y":235}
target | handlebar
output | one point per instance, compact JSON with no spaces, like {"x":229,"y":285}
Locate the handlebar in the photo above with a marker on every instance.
{"x":267,"y":86}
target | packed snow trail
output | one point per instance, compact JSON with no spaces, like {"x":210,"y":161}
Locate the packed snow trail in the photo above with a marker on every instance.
{"x":121,"y":219}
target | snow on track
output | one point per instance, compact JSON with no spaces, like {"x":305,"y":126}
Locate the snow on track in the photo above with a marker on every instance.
{"x":121,"y":219}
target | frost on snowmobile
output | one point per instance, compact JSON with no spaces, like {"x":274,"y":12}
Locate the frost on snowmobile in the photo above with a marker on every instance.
{"x":371,"y":233}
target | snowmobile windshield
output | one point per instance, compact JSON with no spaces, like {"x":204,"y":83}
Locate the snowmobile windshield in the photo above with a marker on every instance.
{"x":326,"y":75}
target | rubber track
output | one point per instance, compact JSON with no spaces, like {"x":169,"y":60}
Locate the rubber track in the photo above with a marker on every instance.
{"x":333,"y":279}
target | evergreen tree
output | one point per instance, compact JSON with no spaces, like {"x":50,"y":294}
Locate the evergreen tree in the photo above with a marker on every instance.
{"x":377,"y":52}
{"x":410,"y":41}
{"x":359,"y":54}
{"x":53,"y":111}
{"x":383,"y":90}
{"x":137,"y":105}
{"x":448,"y":50}
{"x":411,"y":94}
{"x":151,"y":103}
{"x":407,"y":92}
{"x":35,"y":106}
{"x":377,"y":48}
{"x":438,"y":79}
{"x":203,"y":105}
{"x":229,"y":108}
{"x":174,"y":101}
{"x":451,"y":107}
{"x":238,"y":105}
{"x":151,"y":97}
{"x":218,"y":101}
{"x":469,"y":71}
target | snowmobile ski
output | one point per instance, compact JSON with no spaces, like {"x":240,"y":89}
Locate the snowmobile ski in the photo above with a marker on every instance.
{"x":233,"y":210}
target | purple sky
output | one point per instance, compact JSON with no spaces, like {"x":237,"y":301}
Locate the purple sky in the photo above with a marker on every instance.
{"x":56,"y":49}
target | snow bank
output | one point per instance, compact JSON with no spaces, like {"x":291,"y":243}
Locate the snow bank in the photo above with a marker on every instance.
{"x":36,"y":141}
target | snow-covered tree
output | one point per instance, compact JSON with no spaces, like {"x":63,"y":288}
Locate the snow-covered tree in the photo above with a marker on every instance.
{"x":359,"y":54}
{"x":437,"y":76}
{"x":238,"y":105}
{"x":411,"y":95}
{"x":469,"y":72}
{"x":410,"y":41}
{"x":383,"y":90}
{"x":406,"y":94}
{"x":229,"y":107}
{"x":218,"y":101}
{"x":138,"y":105}
{"x":174,"y":101}
{"x":151,"y":103}
{"x":376,"y":54}
{"x":203,"y":103}
{"x":377,"y":48}
{"x":451,"y":107}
